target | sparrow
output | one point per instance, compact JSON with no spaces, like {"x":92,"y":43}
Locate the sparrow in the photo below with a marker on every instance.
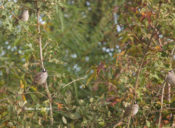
{"x":171,"y":78}
{"x":41,"y":77}
{"x":131,"y":110}
{"x":24,"y":16}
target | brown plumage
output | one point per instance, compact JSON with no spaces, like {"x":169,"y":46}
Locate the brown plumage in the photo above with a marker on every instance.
{"x":131,"y":110}
{"x":23,"y":17}
{"x":171,"y":78}
{"x":41,"y":77}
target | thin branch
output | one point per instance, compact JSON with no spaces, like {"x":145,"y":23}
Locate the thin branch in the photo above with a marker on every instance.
{"x":118,"y":124}
{"x":172,"y":52}
{"x":144,"y":56}
{"x":170,"y":108}
{"x":169,"y":94}
{"x":42,"y":65}
{"x":39,"y":39}
{"x":45,"y":45}
{"x":74,"y":81}
{"x":50,"y":103}
{"x":161,"y":108}
{"x":5,"y":99}
{"x":129,"y":120}
{"x":169,"y":86}
{"x":34,"y":93}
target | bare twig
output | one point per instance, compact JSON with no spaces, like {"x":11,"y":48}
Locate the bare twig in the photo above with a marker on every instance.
{"x":169,"y":94}
{"x":118,"y":124}
{"x":42,"y":65}
{"x":50,"y":103}
{"x":35,"y":93}
{"x":5,"y":99}
{"x":74,"y":81}
{"x":161,"y":108}
{"x":172,"y":52}
{"x":169,"y":86}
{"x":45,"y":45}
{"x":129,"y":120}
{"x":39,"y":39}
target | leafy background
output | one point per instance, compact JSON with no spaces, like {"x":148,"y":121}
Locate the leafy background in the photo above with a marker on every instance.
{"x":104,"y":48}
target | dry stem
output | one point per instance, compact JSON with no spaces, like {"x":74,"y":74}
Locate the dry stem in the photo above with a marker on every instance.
{"x":161,"y":108}
{"x":42,"y":65}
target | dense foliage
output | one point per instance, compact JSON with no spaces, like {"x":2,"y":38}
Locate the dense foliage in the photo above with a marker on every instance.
{"x":100,"y":55}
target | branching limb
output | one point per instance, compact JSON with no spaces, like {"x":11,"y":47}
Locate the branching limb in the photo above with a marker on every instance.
{"x":145,"y":53}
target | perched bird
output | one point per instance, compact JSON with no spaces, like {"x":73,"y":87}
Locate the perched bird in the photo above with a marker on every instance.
{"x":131,"y":110}
{"x":41,"y":77}
{"x":24,"y":16}
{"x":171,"y":78}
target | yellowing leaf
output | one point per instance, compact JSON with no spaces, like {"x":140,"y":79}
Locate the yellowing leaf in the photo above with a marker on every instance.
{"x":21,"y":84}
{"x":122,"y":53}
{"x":59,"y":106}
{"x":135,"y":50}
{"x":91,"y":77}
{"x":118,"y":56}
{"x":34,"y":88}
{"x":23,"y":97}
{"x":157,"y":48}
